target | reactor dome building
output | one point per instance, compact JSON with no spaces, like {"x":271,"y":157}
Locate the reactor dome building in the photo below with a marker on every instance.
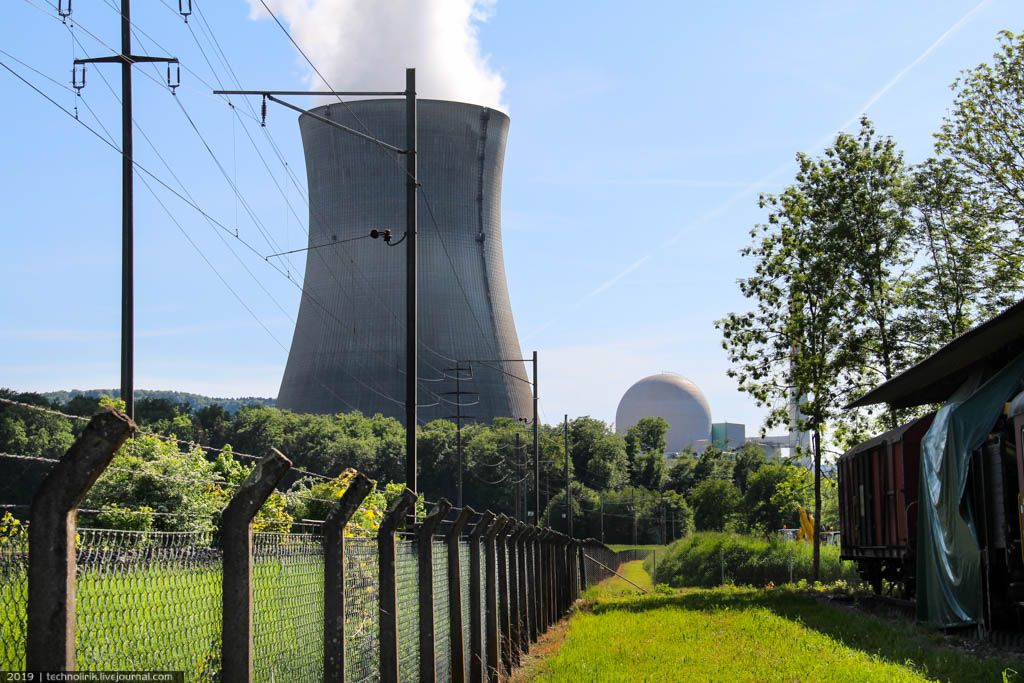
{"x":672,"y":397}
{"x":348,"y":348}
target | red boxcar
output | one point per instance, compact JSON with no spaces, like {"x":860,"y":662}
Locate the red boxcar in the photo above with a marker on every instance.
{"x":878,"y":482}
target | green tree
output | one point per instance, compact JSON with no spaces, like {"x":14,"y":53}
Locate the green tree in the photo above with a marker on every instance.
{"x":713,"y":464}
{"x":796,"y":338}
{"x":646,"y":436}
{"x":859,"y":194}
{"x":645,"y":448}
{"x":584,"y":502}
{"x":608,"y":468}
{"x":981,"y":134}
{"x":775,"y":494}
{"x":681,"y":472}
{"x":749,"y":460}
{"x":184,"y":489}
{"x":714,"y":501}
{"x":32,"y":433}
{"x":965,"y":275}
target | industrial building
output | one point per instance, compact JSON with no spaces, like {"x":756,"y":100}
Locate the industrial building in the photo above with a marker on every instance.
{"x":348,"y":349}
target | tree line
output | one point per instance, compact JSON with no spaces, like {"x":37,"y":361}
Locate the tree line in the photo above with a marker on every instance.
{"x":623,"y":489}
{"x":867,"y":264}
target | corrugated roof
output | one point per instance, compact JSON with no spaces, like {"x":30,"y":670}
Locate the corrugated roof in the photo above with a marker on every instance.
{"x":991,"y":344}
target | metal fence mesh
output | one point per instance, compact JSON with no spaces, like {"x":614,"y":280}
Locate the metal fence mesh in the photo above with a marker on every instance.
{"x":13,"y":599}
{"x":464,"y":572}
{"x":152,"y":600}
{"x":362,"y":647}
{"x":288,"y":611}
{"x":148,"y":601}
{"x":442,"y":627}
{"x":483,"y":603}
{"x":408,"y":610}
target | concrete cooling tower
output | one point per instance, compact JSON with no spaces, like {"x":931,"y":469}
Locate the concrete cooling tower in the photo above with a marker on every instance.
{"x":348,"y":350}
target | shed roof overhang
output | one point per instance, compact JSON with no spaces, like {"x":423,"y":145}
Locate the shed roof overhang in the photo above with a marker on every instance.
{"x":990,"y":345}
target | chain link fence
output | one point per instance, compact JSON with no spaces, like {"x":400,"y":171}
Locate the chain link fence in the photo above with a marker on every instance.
{"x":362,"y":649}
{"x":13,"y":599}
{"x":407,"y":572}
{"x":288,"y":616}
{"x":464,"y":573}
{"x":442,"y":622}
{"x":155,"y":600}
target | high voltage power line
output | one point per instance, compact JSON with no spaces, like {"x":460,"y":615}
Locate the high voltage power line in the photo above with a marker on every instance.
{"x":186,"y":197}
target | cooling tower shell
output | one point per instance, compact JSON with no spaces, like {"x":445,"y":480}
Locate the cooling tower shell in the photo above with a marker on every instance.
{"x":348,"y":349}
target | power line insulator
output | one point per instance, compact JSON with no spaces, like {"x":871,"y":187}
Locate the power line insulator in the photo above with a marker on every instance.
{"x":184,"y":8}
{"x":78,"y":79}
{"x":64,"y":10}
{"x":173,"y":78}
{"x":263,"y":112}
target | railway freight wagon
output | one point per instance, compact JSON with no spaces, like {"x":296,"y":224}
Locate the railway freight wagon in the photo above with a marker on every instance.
{"x":935,"y":507}
{"x":878,"y":504}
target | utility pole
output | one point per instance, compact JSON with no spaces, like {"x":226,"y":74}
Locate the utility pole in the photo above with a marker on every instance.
{"x":126,"y":59}
{"x":600,"y":500}
{"x":536,"y":421}
{"x":568,"y":481}
{"x":459,"y":417}
{"x":411,"y":336}
{"x":520,"y":498}
{"x":411,"y":190}
{"x":536,"y":444}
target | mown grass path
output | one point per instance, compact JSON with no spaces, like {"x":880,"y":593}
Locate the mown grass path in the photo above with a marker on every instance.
{"x":741,"y":634}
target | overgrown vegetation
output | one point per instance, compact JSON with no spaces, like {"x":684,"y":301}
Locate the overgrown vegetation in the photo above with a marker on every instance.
{"x":711,"y":559}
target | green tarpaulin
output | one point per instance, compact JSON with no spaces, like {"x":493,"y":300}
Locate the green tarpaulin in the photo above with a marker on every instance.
{"x":948,"y":557}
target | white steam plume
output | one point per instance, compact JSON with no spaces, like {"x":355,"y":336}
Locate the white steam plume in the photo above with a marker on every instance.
{"x":367,"y":45}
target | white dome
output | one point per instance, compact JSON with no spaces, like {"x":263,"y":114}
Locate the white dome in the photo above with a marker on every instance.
{"x":672,"y":397}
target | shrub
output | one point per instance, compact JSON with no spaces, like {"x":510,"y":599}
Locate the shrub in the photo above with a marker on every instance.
{"x":710,"y":559}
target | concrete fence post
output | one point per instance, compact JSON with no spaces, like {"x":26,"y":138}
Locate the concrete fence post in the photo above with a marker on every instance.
{"x":559,"y":575}
{"x":455,"y":623}
{"x":524,"y":612}
{"x":334,"y":576}
{"x":477,"y":615}
{"x":50,"y":641}
{"x":492,"y":600}
{"x":515,"y":616}
{"x":566,"y":574}
{"x":425,"y":578}
{"x":505,"y":624}
{"x":387,"y":598}
{"x":236,"y":544}
{"x":571,"y":572}
{"x":542,"y":593}
{"x":549,"y":576}
{"x":531,"y":583}
{"x":584,"y":578}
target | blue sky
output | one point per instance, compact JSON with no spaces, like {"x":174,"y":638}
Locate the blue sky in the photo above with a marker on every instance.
{"x":640,"y":138}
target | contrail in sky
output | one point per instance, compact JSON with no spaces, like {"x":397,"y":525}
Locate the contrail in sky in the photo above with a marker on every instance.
{"x":770,"y":176}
